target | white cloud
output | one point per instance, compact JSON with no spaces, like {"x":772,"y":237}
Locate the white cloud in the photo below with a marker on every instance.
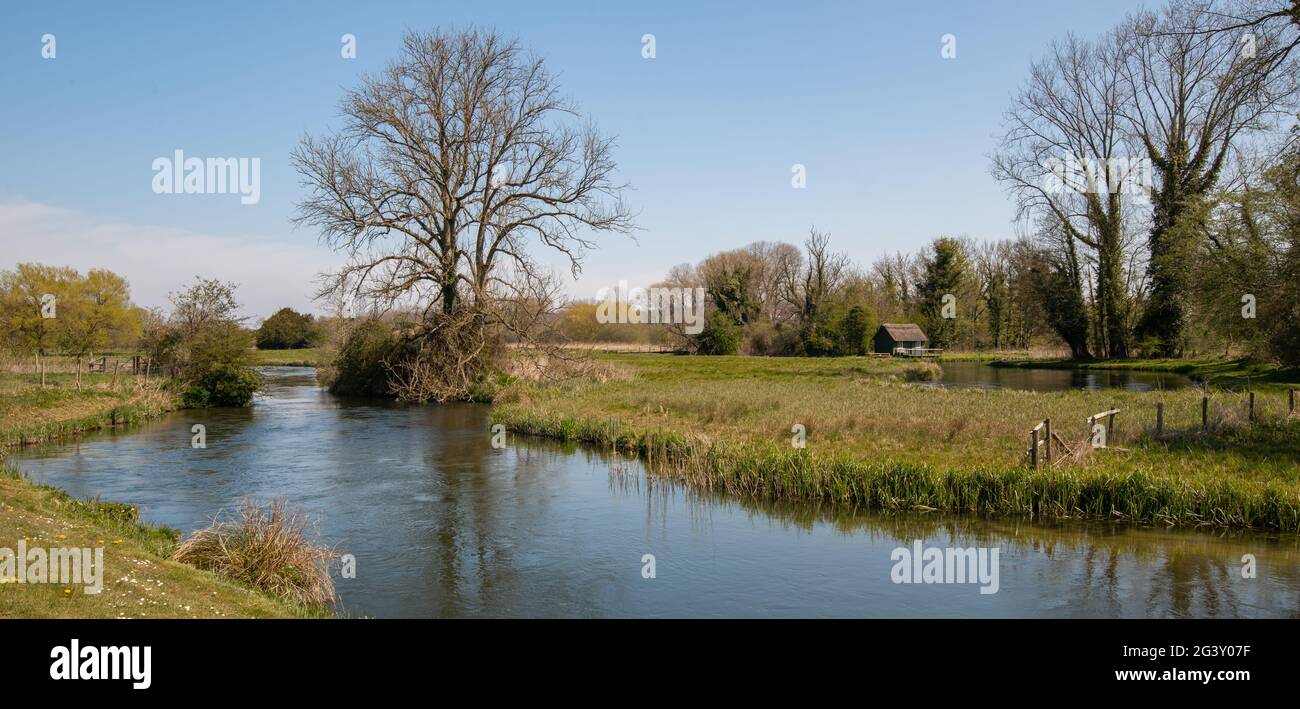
{"x":157,"y":260}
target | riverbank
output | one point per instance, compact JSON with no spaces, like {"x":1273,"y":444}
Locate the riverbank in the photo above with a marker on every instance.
{"x":32,"y":414}
{"x":139,"y":579}
{"x":1223,"y":373}
{"x":874,"y":440}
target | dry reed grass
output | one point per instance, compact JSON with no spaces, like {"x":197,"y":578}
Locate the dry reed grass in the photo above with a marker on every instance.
{"x":273,"y":548}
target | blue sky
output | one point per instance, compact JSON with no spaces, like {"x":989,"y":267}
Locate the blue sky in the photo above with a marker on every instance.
{"x":895,"y":138}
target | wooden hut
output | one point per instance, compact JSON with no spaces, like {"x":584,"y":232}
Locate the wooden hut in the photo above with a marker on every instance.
{"x":900,"y":339}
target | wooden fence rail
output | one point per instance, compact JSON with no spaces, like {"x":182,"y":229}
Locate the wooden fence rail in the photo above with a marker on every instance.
{"x":1041,"y":436}
{"x":1110,"y":422}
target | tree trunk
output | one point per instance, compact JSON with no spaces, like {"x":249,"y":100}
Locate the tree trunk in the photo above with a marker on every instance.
{"x":449,"y":298}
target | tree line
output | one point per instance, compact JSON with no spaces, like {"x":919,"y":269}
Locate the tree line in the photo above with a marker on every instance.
{"x":201,"y":347}
{"x":1161,"y":150}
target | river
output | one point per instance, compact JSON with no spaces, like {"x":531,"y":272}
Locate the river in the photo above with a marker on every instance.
{"x":444,"y":525}
{"x":962,"y":374}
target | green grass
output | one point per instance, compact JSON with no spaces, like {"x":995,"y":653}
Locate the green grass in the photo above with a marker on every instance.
{"x":1224,"y":373}
{"x":876,"y":441}
{"x":139,"y":579}
{"x":306,"y":357}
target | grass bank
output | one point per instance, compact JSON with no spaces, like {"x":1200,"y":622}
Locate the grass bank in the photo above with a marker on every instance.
{"x":872,"y":439}
{"x":1224,"y":373}
{"x":140,"y":579}
{"x":33,"y":414}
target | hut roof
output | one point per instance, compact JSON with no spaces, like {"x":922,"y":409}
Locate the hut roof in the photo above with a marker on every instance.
{"x":905,"y":332}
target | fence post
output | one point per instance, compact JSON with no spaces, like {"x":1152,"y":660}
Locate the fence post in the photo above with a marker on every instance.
{"x":1049,"y":440}
{"x":116,"y":366}
{"x":1205,"y":412}
{"x":1160,"y":418}
{"x":1033,"y":448}
{"x":1110,"y":427}
{"x":1252,"y":407}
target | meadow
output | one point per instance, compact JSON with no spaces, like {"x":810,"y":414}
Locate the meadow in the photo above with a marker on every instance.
{"x":877,"y":435}
{"x":305,"y":357}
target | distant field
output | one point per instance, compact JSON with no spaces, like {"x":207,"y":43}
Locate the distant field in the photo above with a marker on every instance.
{"x":306,"y":357}
{"x":731,"y":417}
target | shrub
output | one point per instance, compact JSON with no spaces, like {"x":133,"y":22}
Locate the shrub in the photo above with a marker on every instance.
{"x":267,"y":548}
{"x":204,"y":347}
{"x":721,"y":336}
{"x":359,"y":366}
{"x":766,"y":338}
{"x":196,"y":397}
{"x":922,"y":372}
{"x":225,"y":385}
{"x":216,"y":371}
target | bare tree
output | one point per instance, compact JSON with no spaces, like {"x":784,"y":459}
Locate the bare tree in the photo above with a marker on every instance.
{"x":687,"y":278}
{"x":807,"y":283}
{"x":896,"y":277}
{"x":1195,"y":90}
{"x":1242,"y":18}
{"x":451,"y":163}
{"x":992,"y":266}
{"x":1065,"y":156}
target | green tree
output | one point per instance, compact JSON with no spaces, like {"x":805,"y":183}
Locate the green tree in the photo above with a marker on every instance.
{"x":944,"y":273}
{"x":95,"y":313}
{"x":28,"y":315}
{"x":288,"y":329}
{"x":205,"y":345}
{"x":858,"y":327}
{"x":733,"y":293}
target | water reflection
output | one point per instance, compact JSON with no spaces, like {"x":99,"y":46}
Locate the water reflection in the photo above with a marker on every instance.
{"x":444,"y":525}
{"x":976,"y":375}
{"x":1100,"y":569}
